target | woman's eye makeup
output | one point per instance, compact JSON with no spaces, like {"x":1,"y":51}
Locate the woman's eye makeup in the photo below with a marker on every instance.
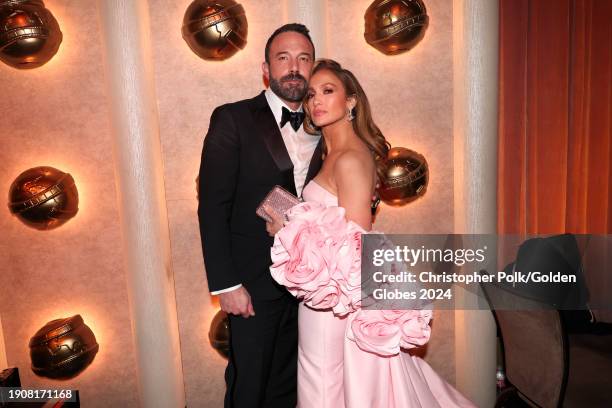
{"x":325,"y":91}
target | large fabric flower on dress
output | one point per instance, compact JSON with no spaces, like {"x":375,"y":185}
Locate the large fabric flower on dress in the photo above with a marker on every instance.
{"x":317,"y":256}
{"x":386,"y":332}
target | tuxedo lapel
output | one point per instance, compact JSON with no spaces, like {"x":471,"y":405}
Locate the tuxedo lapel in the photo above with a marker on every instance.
{"x":315,"y":162}
{"x":267,"y":129}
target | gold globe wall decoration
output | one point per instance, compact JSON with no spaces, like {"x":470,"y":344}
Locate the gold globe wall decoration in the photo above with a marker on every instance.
{"x":395,"y":26}
{"x":219,"y":334}
{"x":63,"y":348}
{"x":406,"y":177}
{"x":29,"y":34}
{"x":215,"y":30}
{"x":43,"y":197}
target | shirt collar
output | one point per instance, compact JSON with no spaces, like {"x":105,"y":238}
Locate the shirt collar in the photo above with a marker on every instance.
{"x":276,"y":105}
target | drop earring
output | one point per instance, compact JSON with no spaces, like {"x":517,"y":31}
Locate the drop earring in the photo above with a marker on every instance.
{"x":349,"y":114}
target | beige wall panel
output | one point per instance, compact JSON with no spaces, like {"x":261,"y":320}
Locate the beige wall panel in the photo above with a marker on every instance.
{"x":57,"y":115}
{"x":411,"y":99}
{"x":188,"y":89}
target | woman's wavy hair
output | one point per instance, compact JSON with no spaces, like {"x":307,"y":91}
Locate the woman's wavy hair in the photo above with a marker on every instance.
{"x":363,"y":124}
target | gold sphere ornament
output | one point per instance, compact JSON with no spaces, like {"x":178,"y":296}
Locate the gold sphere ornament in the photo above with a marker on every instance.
{"x":29,"y":34}
{"x":215,"y":29}
{"x":44,"y":197}
{"x":395,"y":26}
{"x":406,"y":177}
{"x":63,"y":348}
{"x":219,"y":334}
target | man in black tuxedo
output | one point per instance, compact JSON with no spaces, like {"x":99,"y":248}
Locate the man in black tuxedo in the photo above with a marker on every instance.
{"x":251,"y":146}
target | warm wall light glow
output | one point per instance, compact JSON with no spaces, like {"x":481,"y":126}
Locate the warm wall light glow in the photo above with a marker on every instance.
{"x":218,"y":334}
{"x":17,"y":20}
{"x":395,"y":26}
{"x":406,"y":177}
{"x":29,"y":34}
{"x":3,"y":360}
{"x":98,"y":321}
{"x":76,"y":170}
{"x":63,"y":348}
{"x":215,"y":30}
{"x":43,"y":197}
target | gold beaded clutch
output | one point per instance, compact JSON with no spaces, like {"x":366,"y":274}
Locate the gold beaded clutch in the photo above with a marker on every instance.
{"x":279,"y":200}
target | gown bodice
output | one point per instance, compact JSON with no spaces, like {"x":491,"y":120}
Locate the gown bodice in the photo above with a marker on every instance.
{"x":315,"y":192}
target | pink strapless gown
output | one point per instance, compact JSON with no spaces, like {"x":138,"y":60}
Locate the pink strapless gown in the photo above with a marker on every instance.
{"x":334,"y":372}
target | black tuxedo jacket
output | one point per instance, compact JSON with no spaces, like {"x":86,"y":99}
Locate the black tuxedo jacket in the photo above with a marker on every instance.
{"x":243,"y":157}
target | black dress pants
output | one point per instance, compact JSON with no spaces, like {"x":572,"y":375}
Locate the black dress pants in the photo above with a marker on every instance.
{"x":262,"y":367}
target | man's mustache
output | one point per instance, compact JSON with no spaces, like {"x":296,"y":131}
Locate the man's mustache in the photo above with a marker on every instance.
{"x":293,"y":77}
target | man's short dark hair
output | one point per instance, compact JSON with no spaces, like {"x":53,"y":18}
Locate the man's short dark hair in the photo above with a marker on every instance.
{"x":296,"y":28}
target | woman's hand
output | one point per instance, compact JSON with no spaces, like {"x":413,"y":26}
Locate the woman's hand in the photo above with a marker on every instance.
{"x":277,"y":221}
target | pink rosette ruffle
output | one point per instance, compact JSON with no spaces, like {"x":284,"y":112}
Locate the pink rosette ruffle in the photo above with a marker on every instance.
{"x":317,"y":256}
{"x":385,"y":332}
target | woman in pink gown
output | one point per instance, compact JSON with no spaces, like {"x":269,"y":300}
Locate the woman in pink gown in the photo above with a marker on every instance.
{"x":348,"y":357}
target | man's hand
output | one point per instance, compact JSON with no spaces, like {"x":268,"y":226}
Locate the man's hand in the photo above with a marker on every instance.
{"x":237,"y":302}
{"x":277,"y":221}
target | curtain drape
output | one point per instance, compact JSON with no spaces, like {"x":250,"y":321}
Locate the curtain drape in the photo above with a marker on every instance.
{"x":555,"y":112}
{"x":555,"y":125}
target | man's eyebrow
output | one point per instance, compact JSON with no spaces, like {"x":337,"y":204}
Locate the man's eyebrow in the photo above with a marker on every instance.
{"x":299,"y":55}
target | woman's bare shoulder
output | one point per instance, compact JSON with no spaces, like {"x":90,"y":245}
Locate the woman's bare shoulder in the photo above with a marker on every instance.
{"x":354,"y":160}
{"x":354,"y":167}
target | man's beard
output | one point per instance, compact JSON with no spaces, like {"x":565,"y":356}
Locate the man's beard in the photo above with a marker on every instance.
{"x":291,"y":93}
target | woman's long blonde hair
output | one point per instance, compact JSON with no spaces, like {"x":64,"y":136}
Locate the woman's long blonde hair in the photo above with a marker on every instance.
{"x":363,"y":124}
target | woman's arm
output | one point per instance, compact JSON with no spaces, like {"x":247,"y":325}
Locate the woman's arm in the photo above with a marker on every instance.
{"x":353,"y":174}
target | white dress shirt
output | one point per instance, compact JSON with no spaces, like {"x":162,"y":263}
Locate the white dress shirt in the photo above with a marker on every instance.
{"x":300,"y":146}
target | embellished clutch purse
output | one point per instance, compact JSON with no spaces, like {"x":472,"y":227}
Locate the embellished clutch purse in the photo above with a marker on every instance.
{"x":279,"y":200}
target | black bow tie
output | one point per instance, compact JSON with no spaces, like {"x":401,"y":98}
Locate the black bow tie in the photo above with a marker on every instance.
{"x":295,"y":118}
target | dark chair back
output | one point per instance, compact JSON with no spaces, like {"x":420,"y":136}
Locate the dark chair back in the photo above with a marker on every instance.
{"x":535,"y":346}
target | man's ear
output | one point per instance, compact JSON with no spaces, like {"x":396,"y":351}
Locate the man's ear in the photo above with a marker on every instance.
{"x":265,"y":68}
